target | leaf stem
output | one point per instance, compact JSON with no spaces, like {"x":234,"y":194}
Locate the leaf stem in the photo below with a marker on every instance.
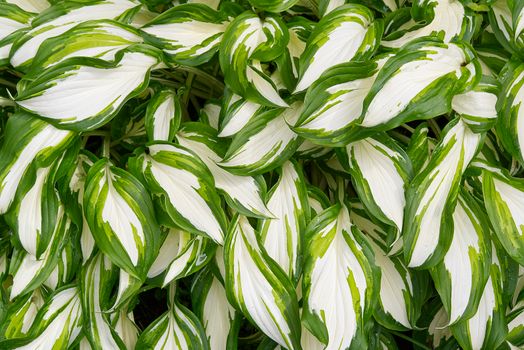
{"x":106,"y":149}
{"x":411,"y":340}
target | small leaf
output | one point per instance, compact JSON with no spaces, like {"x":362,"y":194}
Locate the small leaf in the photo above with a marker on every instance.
{"x":163,"y":116}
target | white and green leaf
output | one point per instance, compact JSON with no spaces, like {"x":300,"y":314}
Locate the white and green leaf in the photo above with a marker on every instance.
{"x":430,"y":72}
{"x":432,"y":196}
{"x":189,"y":33}
{"x":283,"y":235}
{"x":350,"y":32}
{"x":163,"y":116}
{"x":183,"y":187}
{"x":339,"y":282}
{"x":82,"y":94}
{"x":244,"y":193}
{"x":259,"y":288}
{"x":121,"y":217}
{"x":265,"y":143}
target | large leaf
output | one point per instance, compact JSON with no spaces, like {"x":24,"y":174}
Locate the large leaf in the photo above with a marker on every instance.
{"x":339,"y":282}
{"x":12,"y":23}
{"x":84,"y":93}
{"x":178,"y":328}
{"x":57,"y":324}
{"x":430,"y":72}
{"x":97,"y":278}
{"x":29,"y":144}
{"x":62,"y":17}
{"x":511,"y":125}
{"x":259,"y":288}
{"x":487,"y":328}
{"x":189,"y":33}
{"x":28,"y":272}
{"x":333,"y":104}
{"x":381,"y":171}
{"x":163,"y":116}
{"x":212,"y":307}
{"x":503,"y":198}
{"x":348,"y":33}
{"x":183,"y":187}
{"x":432,"y":195}
{"x":447,"y":19}
{"x":247,"y":41}
{"x":283,"y":235}
{"x":461,"y":276}
{"x":98,"y":39}
{"x":265,"y":143}
{"x":120,"y":215}
{"x":244,"y":193}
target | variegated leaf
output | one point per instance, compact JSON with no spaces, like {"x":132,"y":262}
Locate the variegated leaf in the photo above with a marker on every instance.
{"x":193,"y":255}
{"x":56,"y":326}
{"x":381,"y":171}
{"x":339,"y":282}
{"x":448,"y":19}
{"x":82,"y":94}
{"x":29,"y":143}
{"x":299,"y":29}
{"x":439,"y":330}
{"x":74,"y":194}
{"x":212,"y":307}
{"x":487,"y":328}
{"x":183,"y":187}
{"x":385,"y":236}
{"x":511,"y":98}
{"x":430,"y":72}
{"x":124,"y":325}
{"x":348,"y":33}
{"x":420,"y":147}
{"x":272,"y":5}
{"x":236,"y":113}
{"x":432,"y":195}
{"x":67,"y":266}
{"x":505,"y":18}
{"x":182,"y":254}
{"x":282,"y":236}
{"x":265,"y":143}
{"x":178,"y":328}
{"x":21,"y":314}
{"x":477,"y":107}
{"x":210,"y":113}
{"x":333,"y":104}
{"x":504,"y":200}
{"x":244,"y":193}
{"x":97,"y":278}
{"x":259,"y":288}
{"x":399,"y":302}
{"x":28,"y":272}
{"x":34,"y":6}
{"x":13,"y":22}
{"x":34,"y":213}
{"x":247,"y":41}
{"x":461,"y":276}
{"x":121,"y":218}
{"x":163,"y":116}
{"x":189,"y":33}
{"x":97,"y":39}
{"x":60,"y":18}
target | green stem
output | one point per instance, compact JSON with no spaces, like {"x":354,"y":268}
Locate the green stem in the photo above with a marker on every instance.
{"x":411,"y":340}
{"x":106,"y":150}
{"x":400,"y":136}
{"x":208,"y":78}
{"x":189,"y":82}
{"x":7,"y":83}
{"x":434,"y":126}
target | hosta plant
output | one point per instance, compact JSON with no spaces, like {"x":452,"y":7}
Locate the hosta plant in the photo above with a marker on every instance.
{"x":262,"y":174}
